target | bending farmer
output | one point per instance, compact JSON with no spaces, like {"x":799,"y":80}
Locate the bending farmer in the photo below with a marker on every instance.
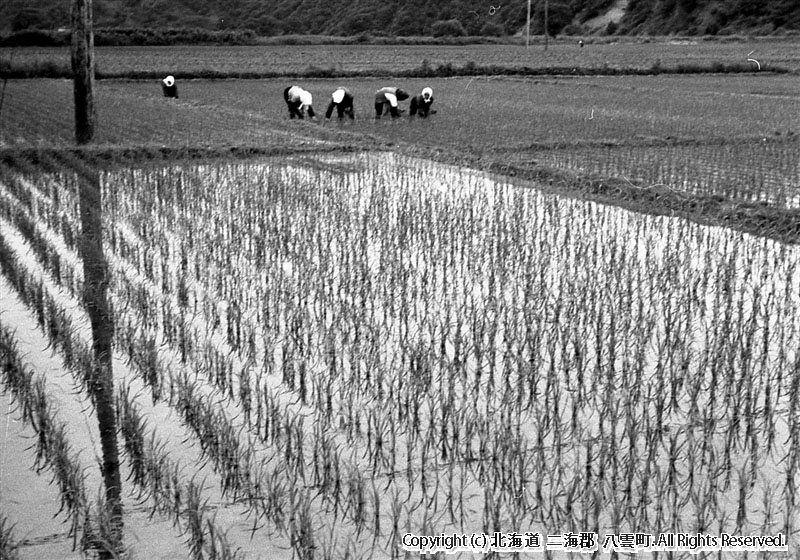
{"x":422,"y":103}
{"x":387,"y":98}
{"x":299,"y":101}
{"x":342,"y":100}
{"x":169,"y":88}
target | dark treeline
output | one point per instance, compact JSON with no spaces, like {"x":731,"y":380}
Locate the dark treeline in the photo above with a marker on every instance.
{"x":399,"y":18}
{"x":132,"y":36}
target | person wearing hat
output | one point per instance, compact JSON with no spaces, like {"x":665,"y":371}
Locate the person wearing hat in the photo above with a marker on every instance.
{"x":387,"y":98}
{"x":421,"y":104}
{"x":299,"y":102}
{"x":169,"y":88}
{"x":342,"y":100}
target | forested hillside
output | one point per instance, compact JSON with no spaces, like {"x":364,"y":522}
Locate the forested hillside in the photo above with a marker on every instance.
{"x":415,"y":17}
{"x":711,"y":17}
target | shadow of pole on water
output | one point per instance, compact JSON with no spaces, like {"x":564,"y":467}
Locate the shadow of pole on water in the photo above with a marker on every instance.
{"x":95,"y":301}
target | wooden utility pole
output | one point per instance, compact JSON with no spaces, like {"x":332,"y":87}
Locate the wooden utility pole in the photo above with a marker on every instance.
{"x":528,"y":28}
{"x":83,"y":70}
{"x":545,"y":23}
{"x":95,"y":274}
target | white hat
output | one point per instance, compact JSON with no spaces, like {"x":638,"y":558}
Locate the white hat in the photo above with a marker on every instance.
{"x":338,"y":95}
{"x":427,"y":93}
{"x":169,"y":81}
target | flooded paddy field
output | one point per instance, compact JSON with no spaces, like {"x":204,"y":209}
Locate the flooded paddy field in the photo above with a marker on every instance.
{"x":318,"y":354}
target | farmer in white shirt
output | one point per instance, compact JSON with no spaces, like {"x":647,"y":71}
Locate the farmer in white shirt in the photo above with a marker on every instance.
{"x":342,"y":100}
{"x":387,"y":98}
{"x":421,"y":104}
{"x":299,"y":101}
{"x":169,"y":88}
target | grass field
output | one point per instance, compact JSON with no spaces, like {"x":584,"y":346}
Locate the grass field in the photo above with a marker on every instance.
{"x":557,"y":305}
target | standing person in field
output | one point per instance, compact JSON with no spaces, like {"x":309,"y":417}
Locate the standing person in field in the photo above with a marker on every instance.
{"x":421,"y":104}
{"x":299,"y":102}
{"x":342,"y":100}
{"x":387,"y":98}
{"x":169,"y":88}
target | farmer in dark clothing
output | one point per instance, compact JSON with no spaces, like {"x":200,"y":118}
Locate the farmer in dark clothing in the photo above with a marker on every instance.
{"x":169,"y":88}
{"x":342,"y":100}
{"x":299,"y":101}
{"x":421,"y":104}
{"x":387,"y":98}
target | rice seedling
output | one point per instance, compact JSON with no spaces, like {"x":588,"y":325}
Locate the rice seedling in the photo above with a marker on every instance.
{"x":382,"y":344}
{"x":53,"y":451}
{"x":9,"y":549}
{"x":163,"y":482}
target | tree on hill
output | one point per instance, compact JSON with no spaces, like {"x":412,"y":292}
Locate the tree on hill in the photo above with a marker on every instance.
{"x":448,"y":28}
{"x":560,"y":14}
{"x":709,"y":16}
{"x":409,"y":17}
{"x":34,"y":14}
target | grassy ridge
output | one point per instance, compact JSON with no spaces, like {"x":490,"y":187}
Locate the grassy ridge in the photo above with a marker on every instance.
{"x":50,"y":69}
{"x":407,"y":60}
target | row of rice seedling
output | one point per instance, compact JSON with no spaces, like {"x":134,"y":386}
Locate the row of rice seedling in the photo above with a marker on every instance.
{"x":155,"y":474}
{"x":207,"y":419}
{"x":55,"y":419}
{"x":53,"y":449}
{"x":8,"y":542}
{"x":381,"y":345}
{"x":54,"y":315}
{"x":269,"y":487}
{"x":763,"y":171}
{"x":162,"y":481}
{"x":336,"y":499}
{"x":367,"y":303}
{"x":51,"y":203}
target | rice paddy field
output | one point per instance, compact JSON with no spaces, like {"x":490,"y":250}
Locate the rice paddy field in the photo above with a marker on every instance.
{"x":333,"y":337}
{"x":731,"y":136}
{"x":770,"y":52}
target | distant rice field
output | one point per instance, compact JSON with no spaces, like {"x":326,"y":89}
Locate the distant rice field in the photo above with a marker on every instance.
{"x":393,"y":58}
{"x":732,"y":136}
